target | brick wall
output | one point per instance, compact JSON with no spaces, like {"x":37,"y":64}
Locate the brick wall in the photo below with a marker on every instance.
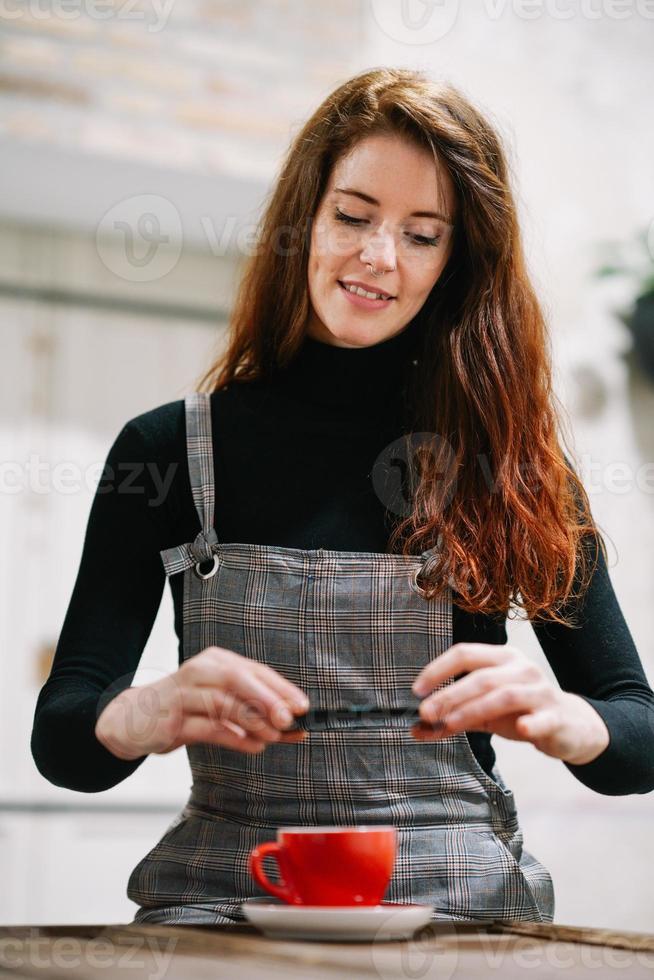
{"x":196,"y":85}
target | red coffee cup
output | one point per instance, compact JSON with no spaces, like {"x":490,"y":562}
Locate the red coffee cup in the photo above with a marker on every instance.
{"x":328,"y":865}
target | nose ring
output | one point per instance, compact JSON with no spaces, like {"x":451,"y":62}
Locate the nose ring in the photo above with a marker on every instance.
{"x":378,"y":274}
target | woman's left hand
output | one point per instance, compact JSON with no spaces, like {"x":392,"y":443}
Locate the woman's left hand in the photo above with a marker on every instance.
{"x":506,"y":693}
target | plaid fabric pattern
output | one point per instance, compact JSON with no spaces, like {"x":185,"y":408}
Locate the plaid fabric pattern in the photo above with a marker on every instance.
{"x":346,"y":627}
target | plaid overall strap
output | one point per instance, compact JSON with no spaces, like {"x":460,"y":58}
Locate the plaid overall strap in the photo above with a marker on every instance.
{"x":199,"y":447}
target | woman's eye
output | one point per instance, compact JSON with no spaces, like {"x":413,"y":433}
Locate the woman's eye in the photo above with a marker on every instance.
{"x":341,"y":216}
{"x":417,"y":239}
{"x":423,"y":240}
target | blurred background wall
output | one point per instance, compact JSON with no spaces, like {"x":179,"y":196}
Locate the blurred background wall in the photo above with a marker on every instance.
{"x":138,"y":142}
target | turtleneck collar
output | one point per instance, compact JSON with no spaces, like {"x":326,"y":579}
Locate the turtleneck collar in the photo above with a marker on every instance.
{"x":361,"y":380}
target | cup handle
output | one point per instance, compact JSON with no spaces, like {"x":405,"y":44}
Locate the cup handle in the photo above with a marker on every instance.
{"x":255,"y":861}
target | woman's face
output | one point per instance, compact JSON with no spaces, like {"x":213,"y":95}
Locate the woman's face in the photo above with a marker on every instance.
{"x":393,"y":179}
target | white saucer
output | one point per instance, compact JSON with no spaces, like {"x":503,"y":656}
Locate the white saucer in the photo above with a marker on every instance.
{"x":336,"y":922}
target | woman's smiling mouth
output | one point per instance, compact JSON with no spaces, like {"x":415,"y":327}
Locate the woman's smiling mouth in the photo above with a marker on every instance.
{"x":364,"y":299}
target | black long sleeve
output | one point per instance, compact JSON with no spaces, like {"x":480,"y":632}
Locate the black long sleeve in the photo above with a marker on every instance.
{"x":599,"y":661}
{"x":292,"y":468}
{"x":110,"y":616}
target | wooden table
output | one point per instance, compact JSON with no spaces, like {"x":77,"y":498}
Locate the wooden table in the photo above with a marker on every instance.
{"x":440,"y":950}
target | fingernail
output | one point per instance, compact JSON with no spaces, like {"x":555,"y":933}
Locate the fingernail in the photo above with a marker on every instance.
{"x":285,"y":716}
{"x":419,"y":689}
{"x":428,"y":711}
{"x":302,"y":703}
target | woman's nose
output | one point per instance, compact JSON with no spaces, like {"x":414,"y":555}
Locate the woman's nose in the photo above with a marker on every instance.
{"x":380,"y":251}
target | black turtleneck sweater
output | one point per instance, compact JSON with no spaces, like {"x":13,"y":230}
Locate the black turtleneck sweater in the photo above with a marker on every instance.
{"x":293,"y":457}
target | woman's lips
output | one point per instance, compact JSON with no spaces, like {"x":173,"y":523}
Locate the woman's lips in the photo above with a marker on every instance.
{"x":362,"y":301}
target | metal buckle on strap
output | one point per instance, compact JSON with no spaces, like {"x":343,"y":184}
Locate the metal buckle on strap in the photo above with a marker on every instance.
{"x":212,"y":571}
{"x":416,"y":585}
{"x":428,"y":557}
{"x":202,"y":550}
{"x":202,"y":547}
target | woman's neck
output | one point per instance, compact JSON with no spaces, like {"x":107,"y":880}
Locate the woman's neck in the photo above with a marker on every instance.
{"x":362,"y":380}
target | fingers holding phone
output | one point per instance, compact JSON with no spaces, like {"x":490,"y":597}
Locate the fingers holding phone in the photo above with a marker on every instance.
{"x":216,"y":696}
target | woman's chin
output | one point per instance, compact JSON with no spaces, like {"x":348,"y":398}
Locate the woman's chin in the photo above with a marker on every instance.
{"x":349,"y":336}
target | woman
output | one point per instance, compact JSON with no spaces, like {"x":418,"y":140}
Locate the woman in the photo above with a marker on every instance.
{"x":389,"y":483}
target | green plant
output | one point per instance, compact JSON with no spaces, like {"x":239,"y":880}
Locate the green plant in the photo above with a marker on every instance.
{"x":634,"y":259}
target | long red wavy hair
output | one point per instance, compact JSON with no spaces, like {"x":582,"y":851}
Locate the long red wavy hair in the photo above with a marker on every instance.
{"x":494,"y":491}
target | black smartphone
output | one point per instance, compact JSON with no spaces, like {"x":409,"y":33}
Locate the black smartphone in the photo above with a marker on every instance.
{"x":359,"y":716}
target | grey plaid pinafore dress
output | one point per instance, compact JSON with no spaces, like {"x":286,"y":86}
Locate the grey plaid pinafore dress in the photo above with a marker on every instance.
{"x":347,"y":628}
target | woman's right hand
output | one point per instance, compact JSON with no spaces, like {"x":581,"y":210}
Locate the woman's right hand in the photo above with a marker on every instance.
{"x":216,"y":696}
